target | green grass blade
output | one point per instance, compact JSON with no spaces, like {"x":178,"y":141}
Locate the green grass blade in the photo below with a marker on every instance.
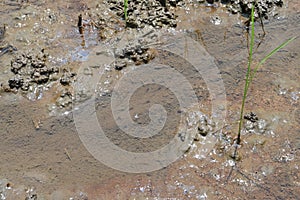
{"x":269,"y":55}
{"x":125,"y":9}
{"x":251,"y":73}
{"x":248,"y":76}
{"x":252,"y":37}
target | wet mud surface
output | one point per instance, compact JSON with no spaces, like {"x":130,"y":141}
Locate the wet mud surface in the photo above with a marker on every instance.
{"x":44,"y":54}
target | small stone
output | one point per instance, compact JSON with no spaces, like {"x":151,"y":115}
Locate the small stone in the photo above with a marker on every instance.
{"x":202,"y":130}
{"x":131,"y":24}
{"x":216,"y":20}
{"x":25,"y":86}
{"x":119,"y":65}
{"x":66,"y":78}
{"x":251,"y":117}
{"x":16,"y":82}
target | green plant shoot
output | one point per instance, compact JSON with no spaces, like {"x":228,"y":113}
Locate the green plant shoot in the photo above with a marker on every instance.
{"x":125,"y":9}
{"x":251,"y":73}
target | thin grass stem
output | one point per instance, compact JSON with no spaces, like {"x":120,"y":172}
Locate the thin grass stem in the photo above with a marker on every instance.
{"x":247,"y":76}
{"x":125,"y":10}
{"x":250,"y":74}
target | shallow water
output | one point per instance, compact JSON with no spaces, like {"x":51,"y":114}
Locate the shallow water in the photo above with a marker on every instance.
{"x":44,"y":155}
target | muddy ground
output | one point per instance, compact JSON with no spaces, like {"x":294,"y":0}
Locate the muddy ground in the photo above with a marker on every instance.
{"x":42,"y":156}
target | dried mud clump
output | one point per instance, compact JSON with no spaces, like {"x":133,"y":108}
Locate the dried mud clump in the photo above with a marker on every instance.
{"x":156,"y":13}
{"x":30,"y":69}
{"x":255,"y":125}
{"x":137,"y":54}
{"x":263,"y":8}
{"x":33,"y":74}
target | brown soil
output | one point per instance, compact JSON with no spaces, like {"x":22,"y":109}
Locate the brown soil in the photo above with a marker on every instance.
{"x":45,"y":153}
